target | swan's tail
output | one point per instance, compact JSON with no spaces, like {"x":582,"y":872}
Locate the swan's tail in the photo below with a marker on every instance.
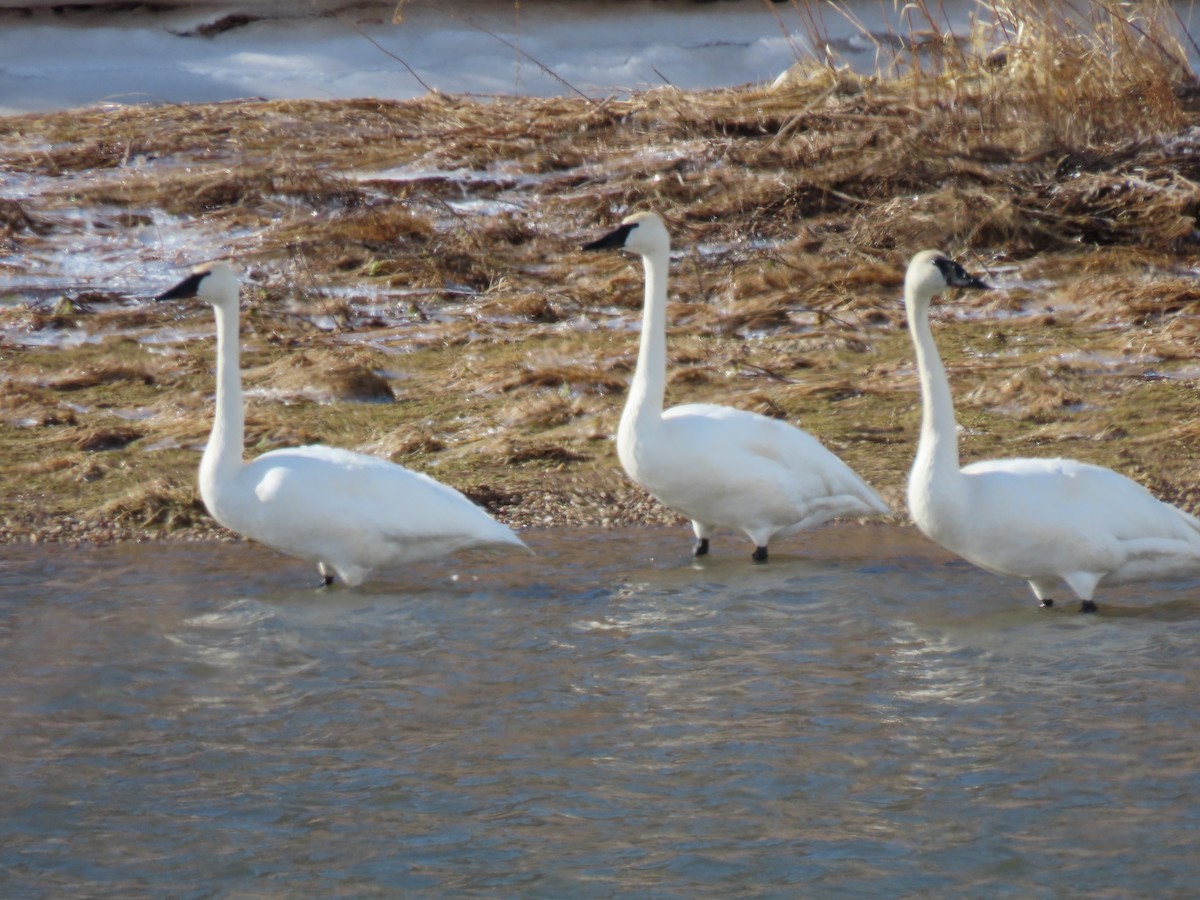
{"x":877,"y":504}
{"x":1189,"y":519}
{"x":873,"y":504}
{"x":501,"y":537}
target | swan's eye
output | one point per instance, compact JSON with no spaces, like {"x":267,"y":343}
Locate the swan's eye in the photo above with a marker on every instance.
{"x":950,"y":271}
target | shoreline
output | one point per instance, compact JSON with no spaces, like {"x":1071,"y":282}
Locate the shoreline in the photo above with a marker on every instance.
{"x":414,"y":290}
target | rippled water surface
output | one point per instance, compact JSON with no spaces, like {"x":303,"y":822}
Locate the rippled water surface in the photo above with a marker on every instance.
{"x":861,"y":717}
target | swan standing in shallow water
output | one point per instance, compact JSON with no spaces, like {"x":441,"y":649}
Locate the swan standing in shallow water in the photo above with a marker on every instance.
{"x":719,"y":466}
{"x":347,"y":512}
{"x":1044,"y":520}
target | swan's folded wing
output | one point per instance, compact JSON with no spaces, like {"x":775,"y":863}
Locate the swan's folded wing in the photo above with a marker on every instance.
{"x":1079,"y":498}
{"x":340,"y":489}
{"x":739,"y":452}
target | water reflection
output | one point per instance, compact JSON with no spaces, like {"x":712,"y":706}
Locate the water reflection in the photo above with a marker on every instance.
{"x":861,"y":717}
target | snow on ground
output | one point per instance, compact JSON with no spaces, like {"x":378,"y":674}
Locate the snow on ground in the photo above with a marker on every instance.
{"x":53,"y":60}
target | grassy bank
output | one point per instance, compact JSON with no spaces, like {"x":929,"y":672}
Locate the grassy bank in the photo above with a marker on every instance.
{"x":414,"y":287}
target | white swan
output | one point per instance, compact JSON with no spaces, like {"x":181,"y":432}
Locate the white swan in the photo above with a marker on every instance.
{"x":347,"y":512}
{"x":719,"y":466}
{"x":1044,"y":520}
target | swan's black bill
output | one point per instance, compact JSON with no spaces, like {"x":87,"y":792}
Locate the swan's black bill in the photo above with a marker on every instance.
{"x":186,"y":289}
{"x":614,"y":239}
{"x":957,"y":276}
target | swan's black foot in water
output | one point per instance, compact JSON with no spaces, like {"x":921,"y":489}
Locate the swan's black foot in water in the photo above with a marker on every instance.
{"x":759,"y":555}
{"x":1087,"y":606}
{"x":701,"y":548}
{"x":326,"y":580}
{"x":1047,"y":603}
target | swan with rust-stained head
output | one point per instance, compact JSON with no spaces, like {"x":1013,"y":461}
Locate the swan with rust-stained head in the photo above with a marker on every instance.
{"x":716,"y":465}
{"x":1048,"y":521}
{"x":347,"y":512}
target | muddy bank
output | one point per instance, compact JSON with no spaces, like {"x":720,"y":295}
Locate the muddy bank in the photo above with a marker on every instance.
{"x":414,"y":287}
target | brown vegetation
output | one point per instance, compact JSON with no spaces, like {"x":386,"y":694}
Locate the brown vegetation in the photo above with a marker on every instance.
{"x":422,"y":256}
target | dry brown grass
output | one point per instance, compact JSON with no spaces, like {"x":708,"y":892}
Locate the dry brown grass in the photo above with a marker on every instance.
{"x":1059,"y":151}
{"x":75,"y":380}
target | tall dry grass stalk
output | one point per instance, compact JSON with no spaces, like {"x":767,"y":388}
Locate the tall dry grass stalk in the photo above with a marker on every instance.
{"x":1089,"y":71}
{"x":1066,"y":73}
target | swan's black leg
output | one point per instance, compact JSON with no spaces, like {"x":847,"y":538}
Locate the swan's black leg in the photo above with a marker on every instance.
{"x":1047,"y":603}
{"x":1087,"y":606}
{"x":701,"y":548}
{"x":760,"y":554}
{"x":326,"y":579}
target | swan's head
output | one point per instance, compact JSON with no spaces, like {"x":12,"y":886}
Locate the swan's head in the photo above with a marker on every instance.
{"x":643,"y":233}
{"x":214,"y":283}
{"x":930,"y":272}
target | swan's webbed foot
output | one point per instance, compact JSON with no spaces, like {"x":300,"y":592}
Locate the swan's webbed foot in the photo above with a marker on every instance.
{"x":1087,"y":606}
{"x":1047,"y":603}
{"x":759,"y":555}
{"x":701,"y":548}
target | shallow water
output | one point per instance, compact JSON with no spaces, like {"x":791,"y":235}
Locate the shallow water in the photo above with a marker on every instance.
{"x":861,"y":717}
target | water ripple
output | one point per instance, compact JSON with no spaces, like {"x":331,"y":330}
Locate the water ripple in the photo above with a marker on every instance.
{"x":610,"y":718}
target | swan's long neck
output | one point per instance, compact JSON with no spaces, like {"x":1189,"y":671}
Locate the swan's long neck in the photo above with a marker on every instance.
{"x":935,"y":469}
{"x":223,"y":455}
{"x":648,"y":386}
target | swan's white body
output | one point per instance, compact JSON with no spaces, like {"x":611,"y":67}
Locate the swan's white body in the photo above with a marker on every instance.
{"x":1047,"y":521}
{"x":347,"y":512}
{"x":719,"y":466}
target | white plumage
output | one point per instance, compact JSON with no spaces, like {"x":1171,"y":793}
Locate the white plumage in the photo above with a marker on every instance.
{"x":1047,"y":521}
{"x":347,"y":512}
{"x":719,"y":466}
